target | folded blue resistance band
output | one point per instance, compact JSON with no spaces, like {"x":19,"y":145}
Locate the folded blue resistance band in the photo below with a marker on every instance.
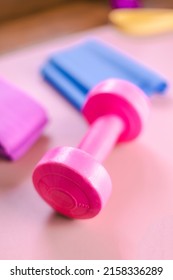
{"x":74,"y":71}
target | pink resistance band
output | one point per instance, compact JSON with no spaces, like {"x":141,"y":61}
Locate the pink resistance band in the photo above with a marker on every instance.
{"x":21,"y":122}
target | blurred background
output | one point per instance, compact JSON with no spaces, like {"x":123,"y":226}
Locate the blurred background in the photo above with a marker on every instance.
{"x":27,"y":22}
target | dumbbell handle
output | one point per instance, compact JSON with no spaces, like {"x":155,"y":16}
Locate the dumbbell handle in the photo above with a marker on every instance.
{"x":102,"y":136}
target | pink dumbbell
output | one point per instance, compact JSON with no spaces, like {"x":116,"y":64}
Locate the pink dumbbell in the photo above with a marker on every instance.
{"x":72,"y":180}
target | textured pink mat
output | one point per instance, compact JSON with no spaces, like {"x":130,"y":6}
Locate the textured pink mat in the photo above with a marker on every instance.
{"x":137,"y":223}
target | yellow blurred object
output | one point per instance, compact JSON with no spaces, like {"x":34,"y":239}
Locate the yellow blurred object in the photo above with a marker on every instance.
{"x":143,"y":21}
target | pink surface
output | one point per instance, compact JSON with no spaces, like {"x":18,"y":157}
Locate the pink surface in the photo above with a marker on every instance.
{"x":137,"y":222}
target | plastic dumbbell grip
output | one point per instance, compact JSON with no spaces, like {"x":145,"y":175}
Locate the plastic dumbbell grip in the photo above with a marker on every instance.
{"x":102,"y":136}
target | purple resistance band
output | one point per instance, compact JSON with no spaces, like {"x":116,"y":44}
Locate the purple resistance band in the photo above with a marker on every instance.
{"x":124,"y":3}
{"x":21,"y":122}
